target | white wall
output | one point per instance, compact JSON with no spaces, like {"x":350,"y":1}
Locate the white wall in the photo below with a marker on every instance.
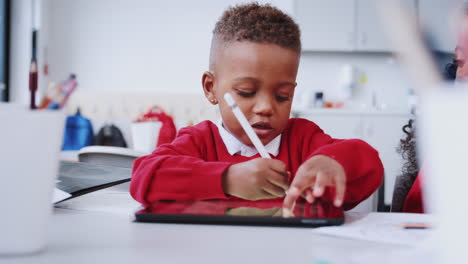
{"x":148,"y":45}
{"x":136,"y":45}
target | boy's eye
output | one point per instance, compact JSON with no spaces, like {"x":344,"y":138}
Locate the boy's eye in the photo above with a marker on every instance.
{"x":245,"y":94}
{"x":282,"y":98}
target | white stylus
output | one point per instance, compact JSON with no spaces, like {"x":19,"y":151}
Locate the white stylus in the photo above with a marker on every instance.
{"x":246,"y":126}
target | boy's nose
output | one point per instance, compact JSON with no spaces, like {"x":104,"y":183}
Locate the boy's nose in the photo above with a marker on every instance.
{"x":263,"y":106}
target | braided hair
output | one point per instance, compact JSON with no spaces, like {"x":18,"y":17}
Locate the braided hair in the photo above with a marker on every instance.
{"x":410,"y":169}
{"x":407,"y":149}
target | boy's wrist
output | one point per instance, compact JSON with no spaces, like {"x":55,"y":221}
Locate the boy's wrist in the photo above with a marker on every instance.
{"x":225,"y":180}
{"x":228,"y":179}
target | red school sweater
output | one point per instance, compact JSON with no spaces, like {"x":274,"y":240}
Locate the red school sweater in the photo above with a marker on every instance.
{"x":414,"y":200}
{"x":191,"y":167}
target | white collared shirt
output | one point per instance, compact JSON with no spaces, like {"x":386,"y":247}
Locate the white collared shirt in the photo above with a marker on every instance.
{"x":235,"y":146}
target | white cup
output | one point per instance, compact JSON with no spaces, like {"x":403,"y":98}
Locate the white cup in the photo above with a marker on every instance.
{"x":443,"y":141}
{"x":30,"y":143}
{"x":145,"y":135}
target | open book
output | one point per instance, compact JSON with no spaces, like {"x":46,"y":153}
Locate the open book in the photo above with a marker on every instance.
{"x":78,"y":178}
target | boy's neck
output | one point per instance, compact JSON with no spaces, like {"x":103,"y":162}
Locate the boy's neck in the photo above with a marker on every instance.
{"x":235,"y":146}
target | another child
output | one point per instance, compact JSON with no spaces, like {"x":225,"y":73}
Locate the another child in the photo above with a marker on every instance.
{"x":408,"y":194}
{"x":254,"y":56}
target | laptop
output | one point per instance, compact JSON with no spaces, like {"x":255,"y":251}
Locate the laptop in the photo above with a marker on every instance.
{"x":258,"y":213}
{"x":78,"y":178}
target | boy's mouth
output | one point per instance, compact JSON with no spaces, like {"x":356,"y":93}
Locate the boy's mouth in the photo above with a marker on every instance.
{"x":262,"y":125}
{"x":262,"y":129}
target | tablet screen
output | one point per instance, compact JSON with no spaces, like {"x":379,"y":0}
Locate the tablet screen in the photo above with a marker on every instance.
{"x":264,"y":212}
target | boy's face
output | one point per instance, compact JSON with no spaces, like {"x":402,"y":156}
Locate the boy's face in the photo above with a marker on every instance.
{"x":262,"y":79}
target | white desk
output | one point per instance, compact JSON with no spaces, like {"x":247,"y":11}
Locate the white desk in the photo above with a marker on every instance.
{"x":98,"y":228}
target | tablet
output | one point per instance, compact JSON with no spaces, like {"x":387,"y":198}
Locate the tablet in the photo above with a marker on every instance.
{"x":225,"y":212}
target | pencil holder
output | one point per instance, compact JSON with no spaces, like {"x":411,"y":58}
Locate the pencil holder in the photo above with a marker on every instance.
{"x":30,"y":143}
{"x":442,"y":138}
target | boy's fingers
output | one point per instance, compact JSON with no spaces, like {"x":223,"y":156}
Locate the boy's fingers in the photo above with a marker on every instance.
{"x":291,"y":197}
{"x":273,"y":189}
{"x":279,"y":180}
{"x":320,"y":183}
{"x":265,"y":195}
{"x":309,"y":196}
{"x":340,"y":189}
{"x":278,"y":166}
{"x":303,"y":180}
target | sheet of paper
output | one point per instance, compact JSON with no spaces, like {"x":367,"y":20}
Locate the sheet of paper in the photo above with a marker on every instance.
{"x":59,"y":195}
{"x":383,"y":227}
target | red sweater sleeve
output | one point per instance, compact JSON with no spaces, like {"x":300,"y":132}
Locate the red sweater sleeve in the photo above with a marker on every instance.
{"x":177,"y":171}
{"x":414,"y":201}
{"x":361,"y":163}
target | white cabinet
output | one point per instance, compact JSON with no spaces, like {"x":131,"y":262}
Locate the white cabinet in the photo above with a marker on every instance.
{"x":338,"y":25}
{"x":338,"y":125}
{"x":370,"y":33}
{"x":326,"y":25}
{"x":436,"y":16}
{"x":382,"y":130}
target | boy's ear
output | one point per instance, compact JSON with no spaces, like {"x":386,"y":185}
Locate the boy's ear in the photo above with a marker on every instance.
{"x":208,"y":80}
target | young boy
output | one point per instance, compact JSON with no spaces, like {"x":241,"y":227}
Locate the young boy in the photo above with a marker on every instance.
{"x":254,"y":56}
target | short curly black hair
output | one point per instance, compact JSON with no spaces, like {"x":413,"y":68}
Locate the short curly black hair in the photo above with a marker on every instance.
{"x":258,"y":23}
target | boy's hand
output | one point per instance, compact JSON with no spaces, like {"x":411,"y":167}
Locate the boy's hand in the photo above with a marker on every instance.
{"x":257,"y":179}
{"x":311,"y":179}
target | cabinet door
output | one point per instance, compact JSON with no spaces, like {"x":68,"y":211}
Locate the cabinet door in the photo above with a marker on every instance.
{"x":326,"y":25}
{"x":436,"y":16}
{"x":370,"y":31}
{"x":341,"y":126}
{"x":384,"y":132}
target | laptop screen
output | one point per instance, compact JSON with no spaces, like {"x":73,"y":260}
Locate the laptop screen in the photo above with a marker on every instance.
{"x":264,"y":212}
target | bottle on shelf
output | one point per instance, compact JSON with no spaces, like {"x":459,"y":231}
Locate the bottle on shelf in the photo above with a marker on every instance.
{"x":318,"y":100}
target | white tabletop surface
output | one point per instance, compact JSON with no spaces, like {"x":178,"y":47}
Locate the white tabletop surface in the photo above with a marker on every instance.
{"x":99,"y":228}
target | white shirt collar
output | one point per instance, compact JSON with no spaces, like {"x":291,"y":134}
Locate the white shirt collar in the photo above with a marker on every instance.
{"x":235,"y":146}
